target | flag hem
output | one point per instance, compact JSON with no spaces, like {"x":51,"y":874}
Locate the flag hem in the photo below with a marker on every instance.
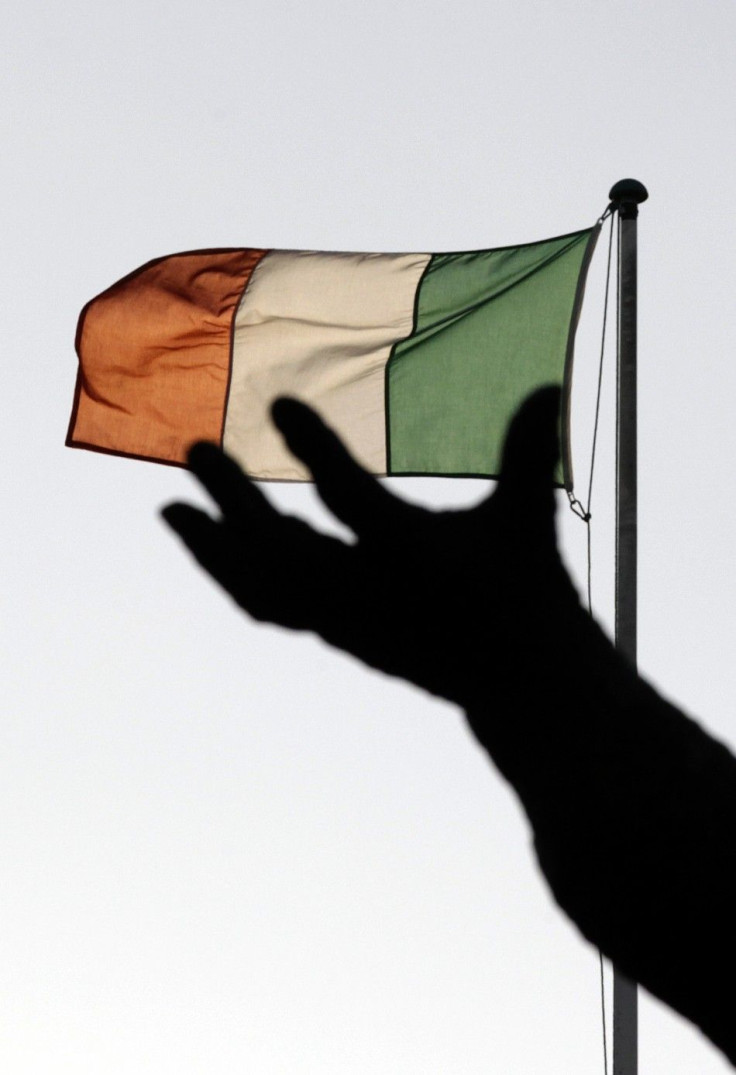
{"x":72,"y":443}
{"x":565,"y":402}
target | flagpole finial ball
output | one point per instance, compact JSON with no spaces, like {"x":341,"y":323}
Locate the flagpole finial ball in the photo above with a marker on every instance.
{"x":628,"y":190}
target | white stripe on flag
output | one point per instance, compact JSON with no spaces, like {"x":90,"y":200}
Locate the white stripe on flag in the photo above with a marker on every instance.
{"x":319,"y":327}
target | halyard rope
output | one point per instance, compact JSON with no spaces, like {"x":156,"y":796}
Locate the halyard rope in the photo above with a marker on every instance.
{"x":583,"y":512}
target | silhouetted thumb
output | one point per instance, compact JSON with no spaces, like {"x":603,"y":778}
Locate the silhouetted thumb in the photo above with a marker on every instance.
{"x":532,"y":448}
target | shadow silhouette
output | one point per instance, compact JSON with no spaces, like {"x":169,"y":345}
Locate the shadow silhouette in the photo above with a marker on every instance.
{"x":632,"y":804}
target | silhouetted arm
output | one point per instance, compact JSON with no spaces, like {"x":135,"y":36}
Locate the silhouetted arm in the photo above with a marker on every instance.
{"x":633,"y":805}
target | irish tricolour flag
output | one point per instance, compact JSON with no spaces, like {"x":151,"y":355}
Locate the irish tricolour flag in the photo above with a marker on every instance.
{"x":417,"y":360}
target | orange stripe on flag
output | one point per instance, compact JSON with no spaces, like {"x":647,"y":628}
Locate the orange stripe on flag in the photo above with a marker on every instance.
{"x":154,"y":353}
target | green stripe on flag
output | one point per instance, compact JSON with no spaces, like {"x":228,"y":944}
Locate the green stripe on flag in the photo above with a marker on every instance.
{"x":491,"y":326}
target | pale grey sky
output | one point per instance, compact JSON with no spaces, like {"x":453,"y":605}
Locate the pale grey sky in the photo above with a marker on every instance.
{"x":225,"y":848}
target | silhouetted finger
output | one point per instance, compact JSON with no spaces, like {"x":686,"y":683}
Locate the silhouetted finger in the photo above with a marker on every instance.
{"x":198,"y":530}
{"x":355,"y":496}
{"x":286,"y":577}
{"x":237,"y":496}
{"x":240,"y":567}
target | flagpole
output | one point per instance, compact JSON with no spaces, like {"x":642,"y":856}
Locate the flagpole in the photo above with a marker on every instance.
{"x":626,"y":195}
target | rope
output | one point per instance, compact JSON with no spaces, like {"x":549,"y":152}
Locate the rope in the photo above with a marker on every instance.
{"x":576,"y":506}
{"x":603,"y":1016}
{"x":583,"y":512}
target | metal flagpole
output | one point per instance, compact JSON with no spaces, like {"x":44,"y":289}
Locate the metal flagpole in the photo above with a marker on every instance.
{"x":626,"y":196}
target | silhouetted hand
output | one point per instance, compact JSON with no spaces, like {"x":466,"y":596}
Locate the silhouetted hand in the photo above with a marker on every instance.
{"x":632,"y":804}
{"x":441,"y":598}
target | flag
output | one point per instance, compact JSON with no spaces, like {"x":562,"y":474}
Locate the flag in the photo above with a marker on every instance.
{"x":417,"y":361}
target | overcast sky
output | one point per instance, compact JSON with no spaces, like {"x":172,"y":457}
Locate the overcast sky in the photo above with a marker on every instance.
{"x":224,"y":847}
